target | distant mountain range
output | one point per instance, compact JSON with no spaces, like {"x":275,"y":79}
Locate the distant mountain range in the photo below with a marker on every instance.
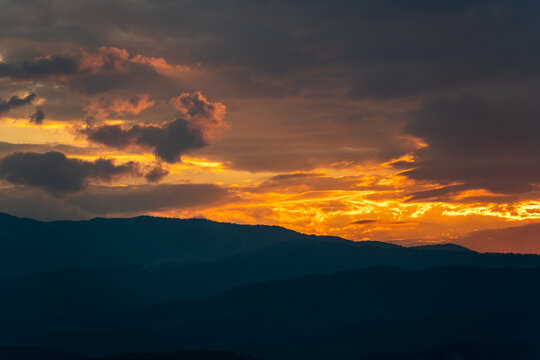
{"x":109,"y":286}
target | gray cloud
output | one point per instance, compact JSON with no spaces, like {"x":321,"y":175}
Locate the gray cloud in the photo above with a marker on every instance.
{"x":140,"y":199}
{"x":518,"y":239}
{"x":93,"y":72}
{"x":108,"y":201}
{"x":168,"y":141}
{"x":36,"y":204}
{"x":37,"y":117}
{"x":477,"y":142}
{"x":15,"y":101}
{"x":41,"y":66}
{"x":388,"y":48}
{"x":57,"y":174}
{"x":376,"y":49}
{"x":201,"y":121}
{"x":155,"y":173}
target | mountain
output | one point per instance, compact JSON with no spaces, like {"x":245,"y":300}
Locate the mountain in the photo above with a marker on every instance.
{"x":75,"y":292}
{"x":31,"y":246}
{"x":152,"y":285}
{"x":347,"y":315}
{"x":129,"y":262}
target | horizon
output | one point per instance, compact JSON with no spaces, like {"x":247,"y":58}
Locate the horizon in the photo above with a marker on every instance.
{"x":481,"y":244}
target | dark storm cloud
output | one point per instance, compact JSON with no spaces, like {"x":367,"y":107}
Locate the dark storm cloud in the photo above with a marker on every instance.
{"x":479,"y":143}
{"x":41,"y":66}
{"x":56,"y":173}
{"x":168,"y":141}
{"x":389,"y":48}
{"x":139,"y":199}
{"x":15,"y":101}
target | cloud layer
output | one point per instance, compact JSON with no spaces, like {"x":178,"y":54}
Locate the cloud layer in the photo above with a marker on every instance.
{"x":478,"y":142}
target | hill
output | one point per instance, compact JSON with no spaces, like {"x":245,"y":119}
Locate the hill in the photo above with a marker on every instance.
{"x":351,"y":314}
{"x":71,"y":270}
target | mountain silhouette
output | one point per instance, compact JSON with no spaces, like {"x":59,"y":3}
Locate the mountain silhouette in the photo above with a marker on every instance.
{"x":94,"y":288}
{"x":153,"y":286}
{"x":351,"y":314}
{"x":31,"y":246}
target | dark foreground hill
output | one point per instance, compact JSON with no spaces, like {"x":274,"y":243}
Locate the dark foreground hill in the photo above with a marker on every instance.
{"x":348,"y":315}
{"x":459,"y":351}
{"x":29,"y":353}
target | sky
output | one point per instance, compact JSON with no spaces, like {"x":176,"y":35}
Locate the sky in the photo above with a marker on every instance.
{"x":405,"y":121}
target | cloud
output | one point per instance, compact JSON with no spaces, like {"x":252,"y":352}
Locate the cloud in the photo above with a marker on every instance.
{"x":41,"y":66}
{"x":104,"y":201}
{"x":518,"y":239}
{"x":57,"y":174}
{"x":154,"y":173}
{"x":477,"y":143}
{"x":107,"y":69}
{"x":299,"y":182}
{"x":104,"y":60}
{"x":207,"y":116}
{"x":436,"y":194}
{"x":168,"y":140}
{"x":363,"y":222}
{"x":131,"y":200}
{"x":37,"y":204}
{"x":37,"y":117}
{"x":376,"y":48}
{"x":103,"y":107}
{"x":15,"y":101}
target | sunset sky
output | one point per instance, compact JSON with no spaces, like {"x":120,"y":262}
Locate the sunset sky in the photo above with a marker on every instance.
{"x":404,"y":121}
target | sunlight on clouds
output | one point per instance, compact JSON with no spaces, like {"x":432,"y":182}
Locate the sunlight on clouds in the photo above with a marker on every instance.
{"x":527,"y":210}
{"x":26,"y":132}
{"x":341,"y":213}
{"x":197,"y":163}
